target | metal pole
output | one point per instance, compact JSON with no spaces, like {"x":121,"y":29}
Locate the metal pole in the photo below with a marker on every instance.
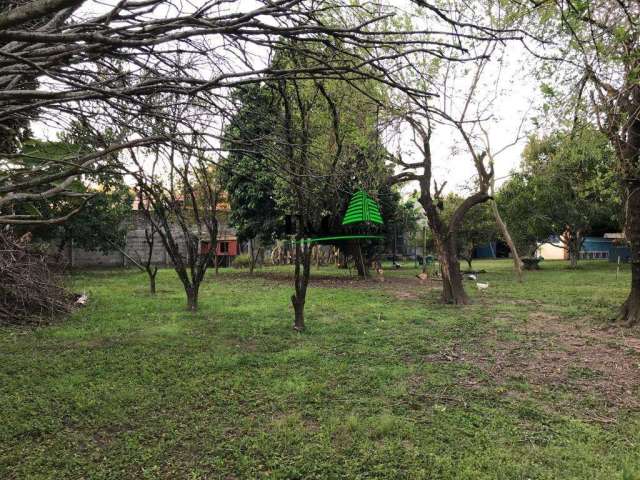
{"x":395,"y":240}
{"x":424,"y":248}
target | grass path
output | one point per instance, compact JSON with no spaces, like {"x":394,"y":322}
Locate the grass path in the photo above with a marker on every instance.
{"x":527,"y":383}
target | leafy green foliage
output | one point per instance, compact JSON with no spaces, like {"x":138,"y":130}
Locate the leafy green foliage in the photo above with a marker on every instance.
{"x":565,"y":184}
{"x":343,"y":149}
{"x":100,"y":225}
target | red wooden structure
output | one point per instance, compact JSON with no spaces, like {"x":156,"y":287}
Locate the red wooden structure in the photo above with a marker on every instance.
{"x":226,"y":250}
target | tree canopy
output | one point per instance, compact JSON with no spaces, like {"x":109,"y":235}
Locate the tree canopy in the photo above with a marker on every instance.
{"x":101,"y":222}
{"x":344,"y":150}
{"x":565,"y":188}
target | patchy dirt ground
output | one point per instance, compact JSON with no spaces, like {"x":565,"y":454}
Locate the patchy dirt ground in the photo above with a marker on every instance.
{"x":403,"y":288}
{"x":590,"y":371}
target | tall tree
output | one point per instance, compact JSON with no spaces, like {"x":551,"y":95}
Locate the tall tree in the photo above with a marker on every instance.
{"x":299,"y":149}
{"x":248,"y":172}
{"x":596,"y":79}
{"x":445,"y":230}
{"x":424,"y":116}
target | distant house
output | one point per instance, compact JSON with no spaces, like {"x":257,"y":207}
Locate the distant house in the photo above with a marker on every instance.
{"x":595,"y":248}
{"x":610,"y":246}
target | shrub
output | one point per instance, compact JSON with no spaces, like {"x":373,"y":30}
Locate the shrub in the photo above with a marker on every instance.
{"x":241,"y":261}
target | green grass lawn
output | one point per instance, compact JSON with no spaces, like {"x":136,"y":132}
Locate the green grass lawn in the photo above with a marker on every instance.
{"x":527,"y":383}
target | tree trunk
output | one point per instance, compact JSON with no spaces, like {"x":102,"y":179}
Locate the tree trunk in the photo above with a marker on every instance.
{"x":360,"y":267}
{"x":517,"y":263}
{"x":301,"y":281}
{"x":573,"y":256}
{"x":252,"y":261}
{"x":444,"y":236}
{"x":452,"y":286}
{"x":573,"y":245}
{"x":59,"y":254}
{"x":359,"y":260}
{"x":192,"y":297}
{"x":630,"y":311}
{"x":342,"y":260}
{"x":152,"y":280}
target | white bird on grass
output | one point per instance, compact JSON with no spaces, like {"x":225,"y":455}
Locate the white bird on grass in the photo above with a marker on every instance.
{"x":482,"y":286}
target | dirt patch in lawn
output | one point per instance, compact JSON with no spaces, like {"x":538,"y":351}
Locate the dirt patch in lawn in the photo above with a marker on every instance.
{"x":402,"y":288}
{"x":598,"y":367}
{"x":569,"y":366}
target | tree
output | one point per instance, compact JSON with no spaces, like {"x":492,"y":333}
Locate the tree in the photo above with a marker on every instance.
{"x":183,"y":211}
{"x":528,"y":224}
{"x":345,"y":154}
{"x":247,"y":172}
{"x":177,"y":187}
{"x":298,"y":149}
{"x":565,"y":189}
{"x":478,"y":227}
{"x":423,"y":116}
{"x":595,"y":80}
{"x":61,"y":62}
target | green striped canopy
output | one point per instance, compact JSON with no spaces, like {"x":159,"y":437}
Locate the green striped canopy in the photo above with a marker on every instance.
{"x":362,"y":208}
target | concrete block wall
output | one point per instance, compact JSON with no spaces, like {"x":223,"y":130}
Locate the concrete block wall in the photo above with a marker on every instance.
{"x":136,"y":247}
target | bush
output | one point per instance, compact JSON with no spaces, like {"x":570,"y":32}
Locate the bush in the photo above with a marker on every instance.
{"x":30,"y":289}
{"x":241,"y":261}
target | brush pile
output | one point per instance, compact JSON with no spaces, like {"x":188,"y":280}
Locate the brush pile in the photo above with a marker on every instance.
{"x":31,"y":290}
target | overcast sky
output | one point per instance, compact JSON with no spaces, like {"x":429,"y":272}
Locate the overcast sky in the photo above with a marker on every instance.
{"x":519,"y":98}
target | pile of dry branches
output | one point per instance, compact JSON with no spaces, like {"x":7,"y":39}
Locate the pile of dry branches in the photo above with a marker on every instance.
{"x":30,"y":289}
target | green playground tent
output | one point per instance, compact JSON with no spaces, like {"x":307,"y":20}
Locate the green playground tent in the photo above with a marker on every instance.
{"x":362,"y":211}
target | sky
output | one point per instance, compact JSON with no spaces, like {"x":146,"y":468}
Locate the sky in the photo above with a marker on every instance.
{"x":511,"y":119}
